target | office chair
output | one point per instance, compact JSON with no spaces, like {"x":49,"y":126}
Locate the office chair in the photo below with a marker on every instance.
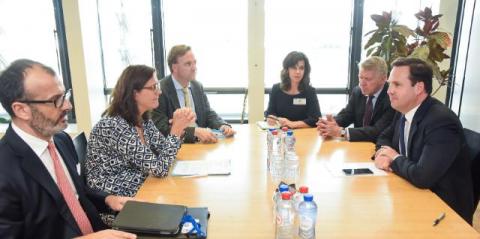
{"x":473,"y":142}
{"x":80,"y":143}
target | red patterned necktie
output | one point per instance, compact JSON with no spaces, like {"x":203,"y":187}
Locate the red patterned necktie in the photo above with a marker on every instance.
{"x":367,"y":116}
{"x":68,"y":193}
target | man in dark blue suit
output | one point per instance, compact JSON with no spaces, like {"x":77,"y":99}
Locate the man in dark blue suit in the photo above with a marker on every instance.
{"x":425,"y":143}
{"x":41,"y":194}
{"x":368,"y":108}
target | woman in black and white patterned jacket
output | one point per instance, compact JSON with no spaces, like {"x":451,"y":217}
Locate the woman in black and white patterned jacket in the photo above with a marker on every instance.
{"x":125,"y":146}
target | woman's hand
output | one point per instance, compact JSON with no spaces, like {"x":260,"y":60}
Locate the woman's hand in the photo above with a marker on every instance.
{"x":182,"y":118}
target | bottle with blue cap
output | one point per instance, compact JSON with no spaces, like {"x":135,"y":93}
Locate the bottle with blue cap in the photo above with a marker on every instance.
{"x":277,"y":197}
{"x":307,"y":217}
{"x":289,"y":141}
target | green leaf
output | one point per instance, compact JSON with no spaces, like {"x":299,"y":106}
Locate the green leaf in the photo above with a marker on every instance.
{"x":441,"y":38}
{"x":404,"y":30}
{"x":370,"y":32}
{"x":421,"y":52}
{"x":4,"y":121}
{"x":373,"y":39}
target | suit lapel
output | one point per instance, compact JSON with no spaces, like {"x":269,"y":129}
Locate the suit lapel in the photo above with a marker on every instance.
{"x":71,"y":164}
{"x":172,"y":92}
{"x":417,"y":118}
{"x":197,"y":95}
{"x":396,"y":134}
{"x":378,"y":104}
{"x":32,"y":165}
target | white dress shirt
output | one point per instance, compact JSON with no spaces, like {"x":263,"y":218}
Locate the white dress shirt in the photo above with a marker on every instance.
{"x":39,"y":147}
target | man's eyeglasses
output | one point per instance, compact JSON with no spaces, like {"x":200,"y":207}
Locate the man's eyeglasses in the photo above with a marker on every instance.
{"x":155,"y":87}
{"x":57,"y":102}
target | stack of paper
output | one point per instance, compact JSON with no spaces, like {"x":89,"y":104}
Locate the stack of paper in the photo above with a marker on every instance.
{"x":202,"y":167}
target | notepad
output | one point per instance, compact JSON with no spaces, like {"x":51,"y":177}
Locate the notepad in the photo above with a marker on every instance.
{"x":264,"y":125}
{"x":202,"y":167}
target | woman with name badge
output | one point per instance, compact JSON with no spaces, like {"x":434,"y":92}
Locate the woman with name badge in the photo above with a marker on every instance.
{"x":293,"y":102}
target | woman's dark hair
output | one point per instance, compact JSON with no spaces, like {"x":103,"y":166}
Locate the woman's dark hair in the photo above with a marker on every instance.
{"x":420,"y":71}
{"x":290,"y":61}
{"x":123,"y":103}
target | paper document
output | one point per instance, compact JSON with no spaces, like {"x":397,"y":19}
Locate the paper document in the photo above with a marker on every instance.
{"x":202,"y":167}
{"x":264,"y":125}
{"x":337,"y":169}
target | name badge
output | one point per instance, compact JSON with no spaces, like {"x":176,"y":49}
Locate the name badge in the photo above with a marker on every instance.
{"x":299,"y":101}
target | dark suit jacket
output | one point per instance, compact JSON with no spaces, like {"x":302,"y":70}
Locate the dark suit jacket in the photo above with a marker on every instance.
{"x":31,"y":205}
{"x":437,"y":155}
{"x":353,"y":114}
{"x":206,"y":117}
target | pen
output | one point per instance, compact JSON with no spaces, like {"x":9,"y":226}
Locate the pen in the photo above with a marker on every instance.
{"x":439,"y":219}
{"x":272,"y":117}
{"x":196,"y":175}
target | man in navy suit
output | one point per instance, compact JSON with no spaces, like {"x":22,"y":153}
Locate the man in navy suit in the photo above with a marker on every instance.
{"x":180,"y":89}
{"x":368,"y":108}
{"x":41,"y":194}
{"x":425,"y":143}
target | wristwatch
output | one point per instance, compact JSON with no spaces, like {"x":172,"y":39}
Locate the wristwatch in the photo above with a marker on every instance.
{"x":342,"y":133}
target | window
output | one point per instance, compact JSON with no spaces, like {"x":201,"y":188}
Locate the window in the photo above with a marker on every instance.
{"x":321,"y":31}
{"x":22,"y":37}
{"x":402,"y":10}
{"x":125,"y":36}
{"x":217,"y":32}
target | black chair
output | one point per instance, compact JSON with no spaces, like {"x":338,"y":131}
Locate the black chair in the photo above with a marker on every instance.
{"x":80,"y":143}
{"x":473,"y":142}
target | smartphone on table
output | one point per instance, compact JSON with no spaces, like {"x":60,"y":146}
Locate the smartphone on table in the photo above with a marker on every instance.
{"x":357,"y":171}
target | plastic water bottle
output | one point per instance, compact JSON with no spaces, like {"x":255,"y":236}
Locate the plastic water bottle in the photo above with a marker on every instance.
{"x":269,"y":146}
{"x":276,"y":142}
{"x":307,"y":217}
{"x":276,"y":168}
{"x":298,"y":196}
{"x":290,"y":170}
{"x":277,"y":197}
{"x":289,"y":142}
{"x":284,"y":226}
{"x":282,"y":136}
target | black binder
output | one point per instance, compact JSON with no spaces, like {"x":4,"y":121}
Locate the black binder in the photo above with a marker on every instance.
{"x":157,"y":221}
{"x":150,"y":218}
{"x":200,"y":213}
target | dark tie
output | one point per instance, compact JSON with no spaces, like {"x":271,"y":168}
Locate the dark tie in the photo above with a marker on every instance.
{"x":367,"y":116}
{"x":401,"y":137}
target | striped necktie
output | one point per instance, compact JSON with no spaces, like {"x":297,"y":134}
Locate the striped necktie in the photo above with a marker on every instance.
{"x":186,"y":97}
{"x":367,"y":116}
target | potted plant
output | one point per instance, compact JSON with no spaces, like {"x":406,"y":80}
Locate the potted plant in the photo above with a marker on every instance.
{"x":391,"y":40}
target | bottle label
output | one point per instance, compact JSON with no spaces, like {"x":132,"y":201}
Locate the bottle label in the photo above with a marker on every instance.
{"x":306,"y":223}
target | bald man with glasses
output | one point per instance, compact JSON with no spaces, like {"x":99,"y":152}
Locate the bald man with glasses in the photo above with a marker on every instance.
{"x":41,"y":193}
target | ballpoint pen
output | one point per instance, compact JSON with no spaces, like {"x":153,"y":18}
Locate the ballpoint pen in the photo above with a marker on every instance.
{"x":272,"y":117}
{"x":439,"y":219}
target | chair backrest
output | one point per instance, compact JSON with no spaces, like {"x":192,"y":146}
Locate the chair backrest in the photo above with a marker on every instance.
{"x":80,"y":143}
{"x":473,"y":142}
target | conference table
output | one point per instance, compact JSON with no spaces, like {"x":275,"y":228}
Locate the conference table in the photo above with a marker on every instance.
{"x":348,"y":206}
